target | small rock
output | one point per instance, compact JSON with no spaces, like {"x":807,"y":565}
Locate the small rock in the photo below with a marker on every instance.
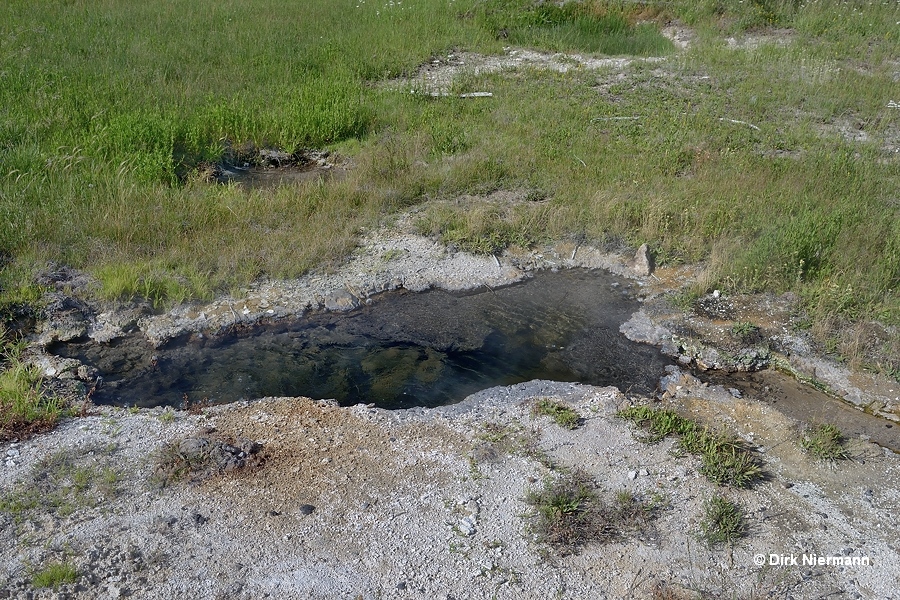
{"x":643,"y":263}
{"x":643,"y":472}
{"x":632,"y":475}
{"x":467,"y":526}
{"x":340,"y":301}
{"x":306,"y":509}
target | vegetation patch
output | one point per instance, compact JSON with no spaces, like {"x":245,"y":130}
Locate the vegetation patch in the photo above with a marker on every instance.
{"x":199,"y":458}
{"x":745,"y":332}
{"x":54,"y":575}
{"x":725,"y":460}
{"x":826,"y":442}
{"x":723,"y":521}
{"x":481,"y":228}
{"x":62,"y":484}
{"x":563,"y":415}
{"x":569,"y":512}
{"x":589,"y":26}
{"x":686,"y":155}
{"x":496,"y":440}
{"x":25,"y":408}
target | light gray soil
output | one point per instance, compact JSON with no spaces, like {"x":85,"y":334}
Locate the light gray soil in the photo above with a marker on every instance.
{"x":415,"y":504}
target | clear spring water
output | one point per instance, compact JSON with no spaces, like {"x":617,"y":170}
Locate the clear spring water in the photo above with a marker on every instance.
{"x":403,"y":350}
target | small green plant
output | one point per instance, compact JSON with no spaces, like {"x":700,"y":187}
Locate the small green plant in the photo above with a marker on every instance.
{"x":659,"y":422}
{"x":745,"y":332}
{"x":825,"y":442}
{"x":167,"y":416}
{"x":561,"y":414}
{"x":496,"y":439}
{"x":54,"y":575}
{"x":393,"y":254}
{"x":61,"y":484}
{"x":174,"y":462}
{"x":723,"y":521}
{"x":25,"y":408}
{"x":725,"y":459}
{"x":566,"y":511}
{"x":569,"y":513}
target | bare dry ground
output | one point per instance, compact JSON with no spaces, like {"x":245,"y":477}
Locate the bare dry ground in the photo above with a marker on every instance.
{"x":430,"y":503}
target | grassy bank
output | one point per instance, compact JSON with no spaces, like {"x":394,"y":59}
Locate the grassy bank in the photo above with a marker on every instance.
{"x":769,"y":146}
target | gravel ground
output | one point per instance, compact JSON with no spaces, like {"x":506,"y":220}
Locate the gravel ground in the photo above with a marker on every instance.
{"x":365,"y":503}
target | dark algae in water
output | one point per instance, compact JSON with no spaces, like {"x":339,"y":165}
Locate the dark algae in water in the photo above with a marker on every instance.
{"x":403,"y":350}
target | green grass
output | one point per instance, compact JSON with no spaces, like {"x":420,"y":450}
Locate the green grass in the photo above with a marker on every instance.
{"x":725,"y":460}
{"x":723,"y":521}
{"x":569,"y":512}
{"x":167,"y":416}
{"x":54,"y":575}
{"x":825,"y":442}
{"x":106,"y":110}
{"x":24,"y":407}
{"x":562,"y":415}
{"x":62,"y":484}
{"x":591,"y":26}
{"x":745,"y":332}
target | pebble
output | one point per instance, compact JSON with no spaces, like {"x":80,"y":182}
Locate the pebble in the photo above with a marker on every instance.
{"x":632,"y":475}
{"x":306,"y":509}
{"x":467,"y":526}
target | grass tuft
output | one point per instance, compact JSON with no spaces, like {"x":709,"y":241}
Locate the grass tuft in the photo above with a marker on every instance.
{"x":825,"y":442}
{"x":54,"y":575}
{"x":562,"y":415}
{"x":569,"y":513}
{"x":725,"y":460}
{"x":723,"y":521}
{"x":25,"y":408}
